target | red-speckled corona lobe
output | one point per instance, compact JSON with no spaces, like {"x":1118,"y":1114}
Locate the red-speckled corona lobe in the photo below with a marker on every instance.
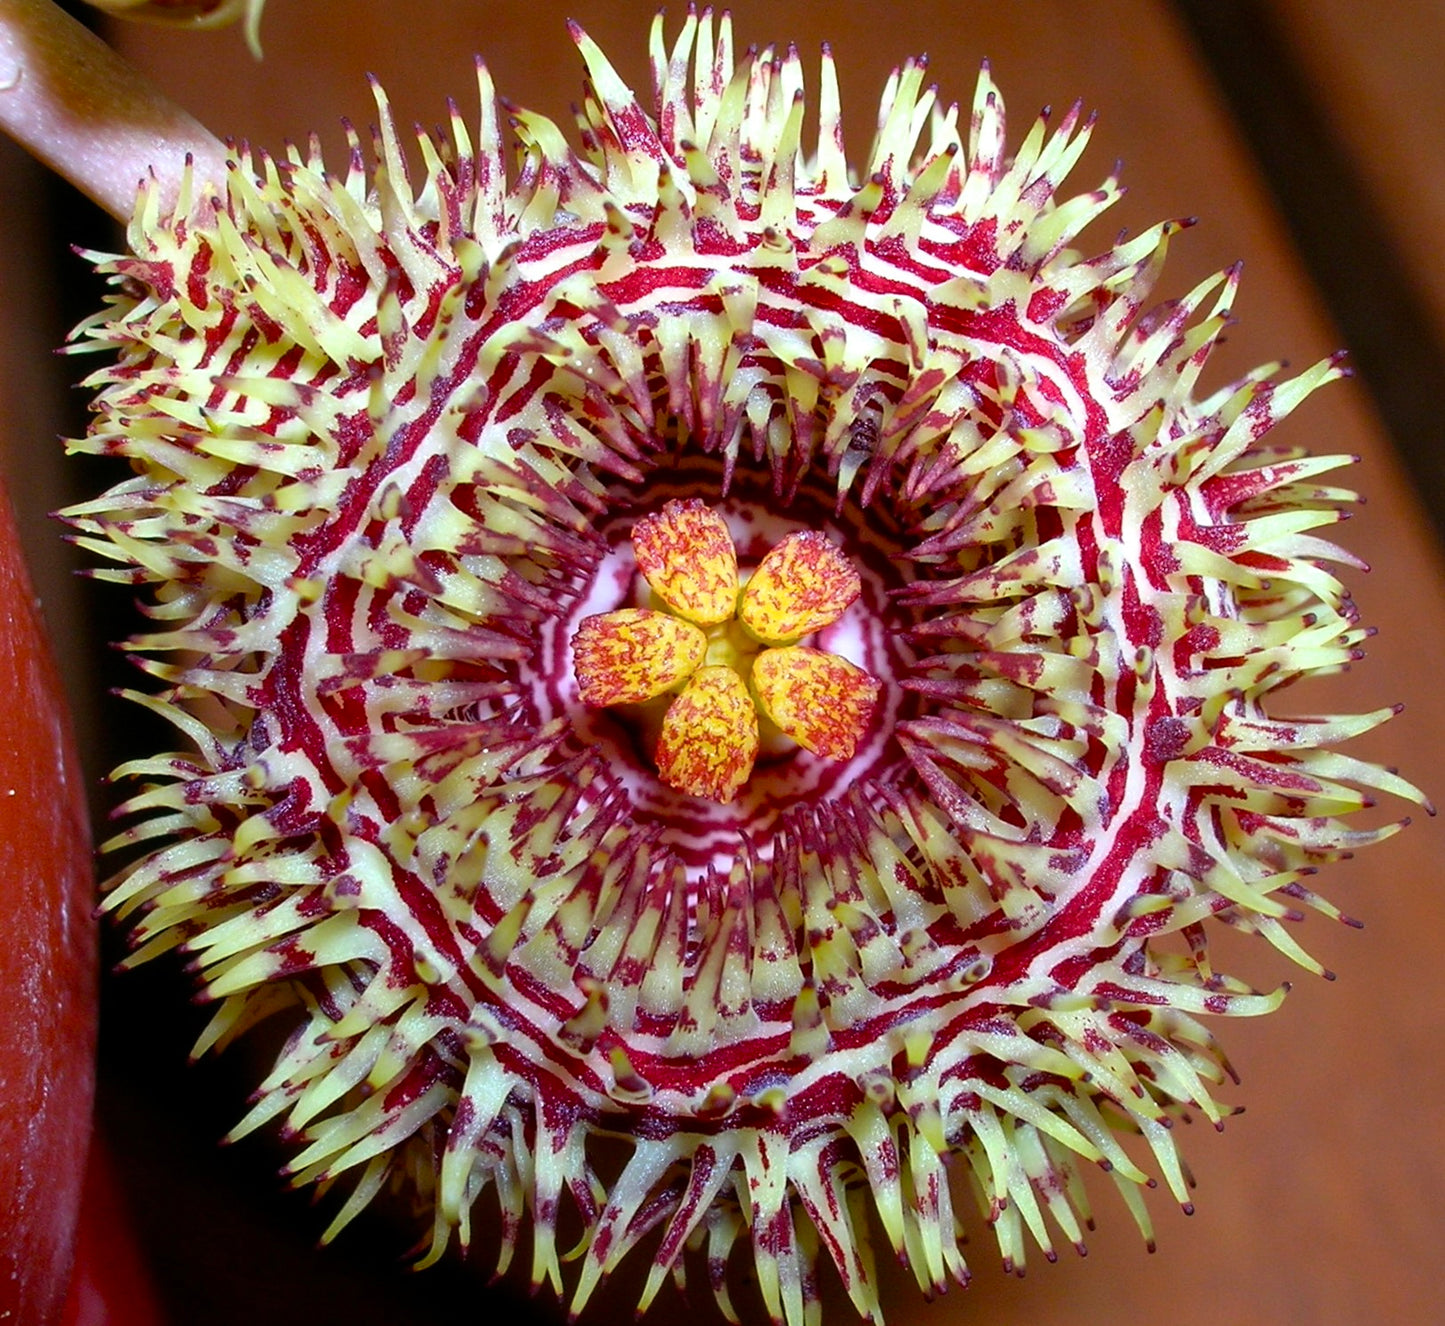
{"x":802,"y":585}
{"x":390,"y":438}
{"x":821,"y":701}
{"x":632,"y":655}
{"x":686,"y":555}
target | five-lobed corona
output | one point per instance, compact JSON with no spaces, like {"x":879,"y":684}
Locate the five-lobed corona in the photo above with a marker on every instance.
{"x":390,"y":444}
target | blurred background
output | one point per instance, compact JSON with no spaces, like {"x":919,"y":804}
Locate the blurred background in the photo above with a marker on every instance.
{"x":1309,"y":137}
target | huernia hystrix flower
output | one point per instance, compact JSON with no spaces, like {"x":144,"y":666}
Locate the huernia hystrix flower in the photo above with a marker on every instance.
{"x":437,"y":483}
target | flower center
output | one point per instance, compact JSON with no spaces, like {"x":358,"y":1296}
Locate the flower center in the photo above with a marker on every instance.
{"x":721,"y":656}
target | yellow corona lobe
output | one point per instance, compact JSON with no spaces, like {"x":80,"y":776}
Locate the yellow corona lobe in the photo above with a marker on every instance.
{"x":632,"y":655}
{"x":686,"y":555}
{"x":709,"y":736}
{"x":804,"y":584}
{"x":823,"y":702}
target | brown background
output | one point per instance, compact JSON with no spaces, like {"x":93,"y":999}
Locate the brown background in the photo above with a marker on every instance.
{"x":1318,"y":1205}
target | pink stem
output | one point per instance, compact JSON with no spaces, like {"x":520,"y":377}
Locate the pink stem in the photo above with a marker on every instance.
{"x":81,"y":109}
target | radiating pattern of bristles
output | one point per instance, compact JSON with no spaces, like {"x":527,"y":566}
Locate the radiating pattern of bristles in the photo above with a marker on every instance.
{"x":374,"y":424}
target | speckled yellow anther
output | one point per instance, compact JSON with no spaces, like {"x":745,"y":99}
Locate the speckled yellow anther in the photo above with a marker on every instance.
{"x":801,"y":586}
{"x":710,"y":733}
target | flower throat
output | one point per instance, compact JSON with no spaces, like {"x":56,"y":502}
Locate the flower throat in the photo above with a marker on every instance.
{"x":722,"y":652}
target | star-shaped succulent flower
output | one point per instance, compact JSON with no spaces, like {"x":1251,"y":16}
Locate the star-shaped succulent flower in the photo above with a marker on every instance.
{"x":731,"y":647}
{"x":401,"y":448}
